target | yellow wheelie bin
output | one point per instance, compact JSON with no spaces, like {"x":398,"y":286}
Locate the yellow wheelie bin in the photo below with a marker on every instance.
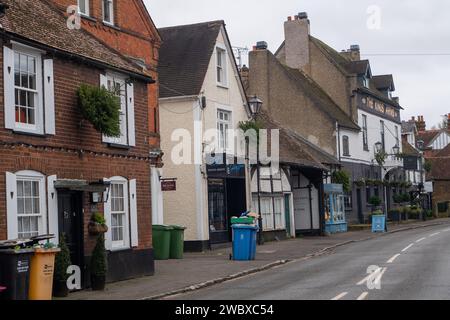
{"x":41,"y":274}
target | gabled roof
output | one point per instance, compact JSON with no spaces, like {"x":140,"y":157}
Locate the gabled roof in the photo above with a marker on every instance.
{"x":428,"y":136}
{"x":408,"y":149}
{"x":384,"y":82}
{"x":323,"y":101}
{"x":184,"y":57}
{"x":360,"y":67}
{"x":41,"y":23}
{"x":348,"y":67}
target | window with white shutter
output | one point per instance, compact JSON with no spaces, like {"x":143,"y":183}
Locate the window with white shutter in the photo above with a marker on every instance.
{"x":29,"y":100}
{"x":117,"y":215}
{"x":26,"y":204}
{"x":125,"y":92}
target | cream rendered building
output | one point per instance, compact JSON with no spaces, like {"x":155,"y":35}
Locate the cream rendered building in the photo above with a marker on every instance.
{"x":201,"y":95}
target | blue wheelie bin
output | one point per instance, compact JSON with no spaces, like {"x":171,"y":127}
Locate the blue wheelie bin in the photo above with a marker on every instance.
{"x":244,"y":242}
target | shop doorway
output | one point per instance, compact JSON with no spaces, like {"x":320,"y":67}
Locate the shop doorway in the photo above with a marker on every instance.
{"x":226,"y":198}
{"x":70,"y":217}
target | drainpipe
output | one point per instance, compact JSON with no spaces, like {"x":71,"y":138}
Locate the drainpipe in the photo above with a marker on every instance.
{"x":310,"y":206}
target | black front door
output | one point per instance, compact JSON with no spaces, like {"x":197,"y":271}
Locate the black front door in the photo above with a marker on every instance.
{"x":70,"y":217}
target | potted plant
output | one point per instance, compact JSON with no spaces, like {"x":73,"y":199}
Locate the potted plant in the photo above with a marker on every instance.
{"x":97,"y":225}
{"x":375,"y":202}
{"x":62,"y":262}
{"x":98,"y":265}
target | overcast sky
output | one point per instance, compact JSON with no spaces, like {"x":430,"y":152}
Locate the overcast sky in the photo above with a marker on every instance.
{"x":411,"y":36}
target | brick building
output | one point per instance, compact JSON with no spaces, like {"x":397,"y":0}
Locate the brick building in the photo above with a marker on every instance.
{"x":53,"y":163}
{"x":364,"y":98}
{"x":126,"y":26}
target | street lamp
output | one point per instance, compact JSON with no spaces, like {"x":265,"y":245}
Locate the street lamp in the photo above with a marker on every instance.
{"x":379,"y":148}
{"x":255,"y":108}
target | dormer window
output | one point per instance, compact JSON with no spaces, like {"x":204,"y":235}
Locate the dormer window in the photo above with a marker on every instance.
{"x":366,"y":82}
{"x":108,"y":11}
{"x":83,"y":7}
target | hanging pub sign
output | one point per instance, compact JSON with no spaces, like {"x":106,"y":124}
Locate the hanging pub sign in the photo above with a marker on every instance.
{"x":410,"y":163}
{"x":168,"y":184}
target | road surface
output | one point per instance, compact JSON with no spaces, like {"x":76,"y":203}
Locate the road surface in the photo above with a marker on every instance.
{"x":409,"y":265}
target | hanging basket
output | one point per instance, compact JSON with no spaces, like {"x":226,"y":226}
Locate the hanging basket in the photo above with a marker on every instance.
{"x":96,"y":229}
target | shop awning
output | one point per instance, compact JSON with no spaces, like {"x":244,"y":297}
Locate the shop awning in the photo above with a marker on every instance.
{"x":82,"y":185}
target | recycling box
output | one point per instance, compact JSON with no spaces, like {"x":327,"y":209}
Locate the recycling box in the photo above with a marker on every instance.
{"x":378,"y":224}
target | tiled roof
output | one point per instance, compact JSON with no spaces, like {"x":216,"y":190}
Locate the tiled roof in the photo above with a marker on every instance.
{"x":42,"y":23}
{"x":359,"y":67}
{"x":444,"y":152}
{"x":440,"y":168}
{"x":384,"y":82}
{"x":409,"y":126}
{"x":323,"y":101}
{"x":184,"y":57}
{"x":428,"y":136}
{"x":408,"y":149}
{"x":296,"y":150}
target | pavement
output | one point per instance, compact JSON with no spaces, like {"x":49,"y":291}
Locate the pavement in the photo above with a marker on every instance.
{"x":209,"y":275}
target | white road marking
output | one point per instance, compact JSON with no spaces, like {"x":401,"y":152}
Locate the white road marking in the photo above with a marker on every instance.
{"x":408,"y":247}
{"x":363,"y":296}
{"x":420,"y":240}
{"x":446,"y":230}
{"x":339,"y":297}
{"x":370,"y":276}
{"x":434,"y":234}
{"x":378,"y":280}
{"x":391,"y":260}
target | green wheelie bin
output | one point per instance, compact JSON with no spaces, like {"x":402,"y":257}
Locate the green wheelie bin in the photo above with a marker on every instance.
{"x":177,"y":242}
{"x":161,"y":242}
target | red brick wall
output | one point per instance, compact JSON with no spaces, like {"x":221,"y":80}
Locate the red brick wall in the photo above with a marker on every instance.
{"x":133,"y":35}
{"x":77,"y":151}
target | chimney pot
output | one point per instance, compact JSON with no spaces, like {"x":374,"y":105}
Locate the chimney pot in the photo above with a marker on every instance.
{"x":289,"y":18}
{"x":303,"y":15}
{"x":355,"y":47}
{"x":261,"y":45}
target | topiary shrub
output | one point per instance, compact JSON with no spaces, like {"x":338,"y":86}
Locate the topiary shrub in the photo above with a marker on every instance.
{"x":99,"y":265}
{"x":62,"y":263}
{"x":62,"y":260}
{"x":98,"y":260}
{"x":101,"y":108}
{"x":375,"y":201}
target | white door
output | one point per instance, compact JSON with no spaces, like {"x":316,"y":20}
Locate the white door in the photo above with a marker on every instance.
{"x":304,"y":219}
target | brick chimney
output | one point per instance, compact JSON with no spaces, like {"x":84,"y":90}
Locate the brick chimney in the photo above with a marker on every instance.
{"x":296,"y":34}
{"x":421,"y":125}
{"x":244,"y":76}
{"x":354,"y":53}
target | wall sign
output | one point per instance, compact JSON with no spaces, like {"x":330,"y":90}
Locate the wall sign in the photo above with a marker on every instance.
{"x":168,"y":185}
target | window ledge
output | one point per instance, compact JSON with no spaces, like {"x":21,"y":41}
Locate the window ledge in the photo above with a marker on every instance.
{"x":111,"y":25}
{"x":223,"y":86}
{"x":28,"y":133}
{"x":119,"y":146}
{"x":87,"y":17}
